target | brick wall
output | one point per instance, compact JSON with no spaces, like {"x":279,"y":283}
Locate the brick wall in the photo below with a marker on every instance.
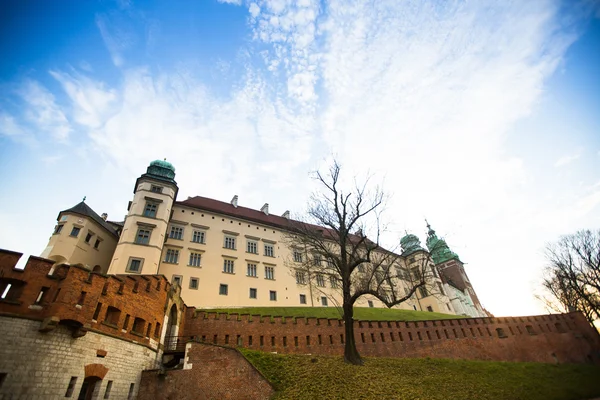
{"x":80,"y":299}
{"x":543,"y":338}
{"x":41,"y":365}
{"x":210,"y":372}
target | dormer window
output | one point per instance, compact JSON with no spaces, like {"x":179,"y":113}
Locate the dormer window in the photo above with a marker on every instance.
{"x":156,"y":189}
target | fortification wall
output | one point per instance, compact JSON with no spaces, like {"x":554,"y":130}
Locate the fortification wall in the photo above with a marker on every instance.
{"x":209,"y":372}
{"x":131,"y":307}
{"x":542,"y":338}
{"x":41,"y":365}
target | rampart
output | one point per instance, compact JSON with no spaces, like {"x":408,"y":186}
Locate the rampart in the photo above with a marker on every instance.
{"x":130,"y":307}
{"x":554,"y":338}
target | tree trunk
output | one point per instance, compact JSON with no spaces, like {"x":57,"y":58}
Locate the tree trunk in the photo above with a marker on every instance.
{"x":350,"y":353}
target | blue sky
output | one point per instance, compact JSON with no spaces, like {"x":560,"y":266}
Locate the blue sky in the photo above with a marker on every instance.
{"x":482,"y":117}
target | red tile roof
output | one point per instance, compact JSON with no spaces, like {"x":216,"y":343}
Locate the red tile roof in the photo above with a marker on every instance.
{"x":249,"y":214}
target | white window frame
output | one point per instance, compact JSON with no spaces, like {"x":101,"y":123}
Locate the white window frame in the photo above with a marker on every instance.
{"x":251,"y":270}
{"x":324,"y":301}
{"x":269,"y":250}
{"x":199,"y":236}
{"x":300,"y":277}
{"x":195,"y":259}
{"x":128,"y":269}
{"x":228,"y":266}
{"x":151,"y":206}
{"x":137,"y":235}
{"x":251,"y":246}
{"x":270,"y":272}
{"x":172,"y":256}
{"x":176,"y":232}
{"x":297,"y":256}
{"x":229,"y":242}
{"x":177,"y":278}
{"x":320,"y":280}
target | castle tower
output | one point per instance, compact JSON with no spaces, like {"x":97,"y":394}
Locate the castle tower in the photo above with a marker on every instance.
{"x":143,"y":236}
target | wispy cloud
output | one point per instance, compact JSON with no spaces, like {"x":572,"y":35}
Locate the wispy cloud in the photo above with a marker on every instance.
{"x":424,"y":92}
{"x":567,"y":159}
{"x":43,"y":112}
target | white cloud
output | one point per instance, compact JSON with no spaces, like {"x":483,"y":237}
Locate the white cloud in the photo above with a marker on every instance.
{"x":566,"y":159}
{"x":424,"y":93}
{"x":235,"y":2}
{"x":9,"y":126}
{"x":43,"y":112}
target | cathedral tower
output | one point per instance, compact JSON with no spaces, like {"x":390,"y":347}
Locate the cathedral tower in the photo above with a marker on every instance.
{"x":143,"y":236}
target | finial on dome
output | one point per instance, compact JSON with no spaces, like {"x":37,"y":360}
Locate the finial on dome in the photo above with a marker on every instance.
{"x":84,"y":197}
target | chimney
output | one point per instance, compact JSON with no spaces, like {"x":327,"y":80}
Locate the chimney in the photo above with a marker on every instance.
{"x":265,"y":209}
{"x":104,"y":216}
{"x":286,"y":214}
{"x":234,"y":201}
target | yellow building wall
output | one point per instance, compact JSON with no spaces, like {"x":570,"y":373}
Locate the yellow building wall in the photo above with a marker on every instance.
{"x":62,"y":247}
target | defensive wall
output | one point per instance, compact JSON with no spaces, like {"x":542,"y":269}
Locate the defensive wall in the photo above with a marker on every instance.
{"x":554,"y":338}
{"x":61,"y":325}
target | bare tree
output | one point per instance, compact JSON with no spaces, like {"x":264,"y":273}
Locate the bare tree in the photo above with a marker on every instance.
{"x":333,"y":245}
{"x":572,"y":279}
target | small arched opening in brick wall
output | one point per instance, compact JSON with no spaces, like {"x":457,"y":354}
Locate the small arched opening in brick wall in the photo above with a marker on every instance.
{"x":94,"y":373}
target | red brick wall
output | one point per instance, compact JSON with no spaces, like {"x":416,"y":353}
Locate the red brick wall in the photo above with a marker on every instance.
{"x":216,"y":373}
{"x":557,"y":337}
{"x":142,"y":296}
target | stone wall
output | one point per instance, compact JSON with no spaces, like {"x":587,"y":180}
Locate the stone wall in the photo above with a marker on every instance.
{"x":41,"y":365}
{"x":209,"y":372}
{"x":543,"y":338}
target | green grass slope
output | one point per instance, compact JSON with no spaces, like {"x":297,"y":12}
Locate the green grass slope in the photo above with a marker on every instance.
{"x":360,"y":313}
{"x":308,"y":377}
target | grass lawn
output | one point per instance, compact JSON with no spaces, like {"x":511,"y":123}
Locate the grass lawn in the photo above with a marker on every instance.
{"x":360,"y":313}
{"x":320,"y":377}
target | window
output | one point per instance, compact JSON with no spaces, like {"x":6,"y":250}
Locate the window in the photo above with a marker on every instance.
{"x":269,"y":250}
{"x":172,"y":256}
{"x":112,"y":316}
{"x":230,"y":242}
{"x":130,"y":395}
{"x":371,"y":303}
{"x":177,"y":280}
{"x":97,"y":244}
{"x":441,"y":288}
{"x":199,"y":237}
{"x":71,"y":386}
{"x":317,"y":259}
{"x":429,"y":308}
{"x":223,"y":289}
{"x":272,"y":295}
{"x":253,"y":293}
{"x":75,"y":231}
{"x":251,"y":270}
{"x":150,"y":209}
{"x":58,"y":228}
{"x":194,"y":283}
{"x":135,"y":265}
{"x":417,"y":275}
{"x":108,"y":387}
{"x":302,"y":299}
{"x":423,"y":291}
{"x":361,"y":268}
{"x":138,"y":326}
{"x":42,"y":295}
{"x":324,"y":301}
{"x":228,"y":266}
{"x":252,"y":247}
{"x":176,"y":233}
{"x":143,"y":236}
{"x":320,"y":280}
{"x":300,"y":277}
{"x":156,"y":189}
{"x":333,"y":281}
{"x":269,"y":272}
{"x":195,"y":259}
{"x":297,"y":257}
{"x":88,"y":237}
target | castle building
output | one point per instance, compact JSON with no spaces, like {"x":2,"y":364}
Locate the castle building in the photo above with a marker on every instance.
{"x":222,"y":254}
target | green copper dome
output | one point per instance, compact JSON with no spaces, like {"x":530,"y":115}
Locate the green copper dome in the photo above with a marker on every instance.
{"x":410,"y":243}
{"x":438,"y":248}
{"x":162,"y":169}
